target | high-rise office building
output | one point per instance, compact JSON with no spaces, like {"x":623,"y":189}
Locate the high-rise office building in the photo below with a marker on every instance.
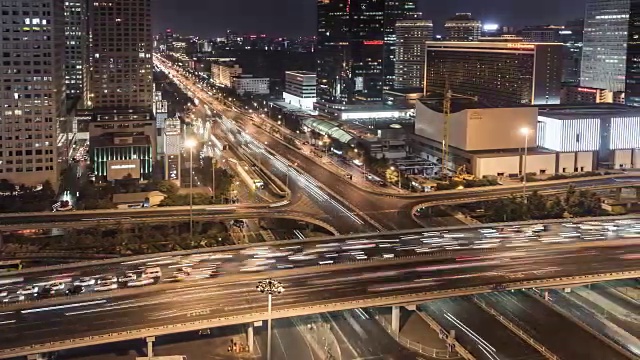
{"x":604,"y":51}
{"x":394,"y":11}
{"x":355,"y":49}
{"x":77,"y":47}
{"x":632,"y":87}
{"x":32,"y":97}
{"x":462,"y":27}
{"x":500,"y":74}
{"x":571,"y":37}
{"x":411,"y":36}
{"x":121,"y":55}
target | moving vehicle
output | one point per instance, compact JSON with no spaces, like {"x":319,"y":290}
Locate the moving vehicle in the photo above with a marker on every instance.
{"x":13,"y":298}
{"x":153,"y":272}
{"x":85,"y":281}
{"x":27,"y":290}
{"x":56,"y":286}
{"x":141,"y":282}
{"x":106,"y":286}
{"x":75,"y":290}
{"x":10,"y":265}
{"x":127,"y":277}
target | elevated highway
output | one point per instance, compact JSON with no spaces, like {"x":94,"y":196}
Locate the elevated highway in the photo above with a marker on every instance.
{"x":192,"y":305}
{"x":407,"y":276}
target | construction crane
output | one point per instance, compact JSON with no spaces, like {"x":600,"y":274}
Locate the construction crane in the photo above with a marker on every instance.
{"x":446,"y":111}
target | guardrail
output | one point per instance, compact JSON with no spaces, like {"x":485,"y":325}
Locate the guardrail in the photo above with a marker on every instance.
{"x":516,"y":330}
{"x":425,"y":350}
{"x":440,"y":330}
{"x":323,"y":240}
{"x":309,"y":308}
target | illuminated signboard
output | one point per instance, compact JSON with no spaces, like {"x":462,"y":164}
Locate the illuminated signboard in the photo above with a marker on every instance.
{"x":521,"y":46}
{"x":587,"y":90}
{"x":373,"y":42}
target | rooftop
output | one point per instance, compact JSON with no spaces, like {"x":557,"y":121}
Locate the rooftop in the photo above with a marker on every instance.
{"x":302,"y":73}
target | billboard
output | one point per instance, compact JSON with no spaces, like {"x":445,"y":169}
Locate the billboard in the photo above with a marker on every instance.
{"x":121,"y":169}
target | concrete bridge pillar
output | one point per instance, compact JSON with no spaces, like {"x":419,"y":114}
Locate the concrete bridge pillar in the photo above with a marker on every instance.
{"x":637,"y":198}
{"x":619,"y":194}
{"x":250,"y":337}
{"x":395,"y":319}
{"x":150,"y":341}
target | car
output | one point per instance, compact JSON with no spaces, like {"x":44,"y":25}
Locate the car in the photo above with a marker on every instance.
{"x":4,"y":293}
{"x":57,"y":286}
{"x":75,"y":290}
{"x":152,"y":272}
{"x":13,"y":298}
{"x":141,"y":282}
{"x":106,"y":286}
{"x":28,"y":290}
{"x":85,"y":281}
{"x":127,"y":277}
{"x":45,"y":292}
{"x":107,"y":280}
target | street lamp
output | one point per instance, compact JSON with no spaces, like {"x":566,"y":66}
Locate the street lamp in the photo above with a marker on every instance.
{"x":525,"y":131}
{"x":269,"y":287}
{"x":190,"y":144}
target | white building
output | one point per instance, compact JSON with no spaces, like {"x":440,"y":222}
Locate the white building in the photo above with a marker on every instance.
{"x":300,"y":89}
{"x":248,"y":84}
{"x":604,"y":51}
{"x":223,"y":72}
{"x":561,"y":139}
{"x":32,"y":100}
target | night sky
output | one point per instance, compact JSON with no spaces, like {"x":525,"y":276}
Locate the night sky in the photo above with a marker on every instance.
{"x":211,"y":18}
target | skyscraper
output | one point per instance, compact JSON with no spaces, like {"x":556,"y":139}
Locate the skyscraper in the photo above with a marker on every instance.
{"x":632,"y":88}
{"x":77,"y":47}
{"x":355,"y":49}
{"x":32,"y":100}
{"x":411,"y":36}
{"x":121,"y":55}
{"x":604,"y":51}
{"x":462,"y":27}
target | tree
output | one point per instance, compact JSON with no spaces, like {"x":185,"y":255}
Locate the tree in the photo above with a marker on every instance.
{"x":555,"y":208}
{"x":168,"y":187}
{"x":536,"y":206}
{"x":7,"y":187}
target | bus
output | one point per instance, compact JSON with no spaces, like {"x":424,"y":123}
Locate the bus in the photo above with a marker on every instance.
{"x":249,"y":177}
{"x":10,"y":265}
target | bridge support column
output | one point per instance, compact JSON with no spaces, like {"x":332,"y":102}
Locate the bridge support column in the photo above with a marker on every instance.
{"x":395,"y":319}
{"x":619,"y":194}
{"x":250,"y":337}
{"x":637,"y":198}
{"x":150,"y":341}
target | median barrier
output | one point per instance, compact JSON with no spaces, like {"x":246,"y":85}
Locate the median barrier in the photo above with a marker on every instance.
{"x":311,"y":308}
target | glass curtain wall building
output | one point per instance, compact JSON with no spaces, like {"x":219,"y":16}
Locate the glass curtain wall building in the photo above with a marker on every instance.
{"x":604,"y":53}
{"x":411,"y":36}
{"x":632,"y":88}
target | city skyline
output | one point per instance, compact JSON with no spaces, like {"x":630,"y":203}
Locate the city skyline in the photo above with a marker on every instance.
{"x":298,"y":17}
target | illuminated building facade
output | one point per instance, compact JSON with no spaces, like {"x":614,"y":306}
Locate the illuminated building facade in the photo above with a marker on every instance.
{"x":32,"y":100}
{"x":500,"y":74}
{"x":462,"y":27}
{"x":356,"y":49}
{"x":121,"y":55}
{"x":411,"y":36}
{"x":77,"y":48}
{"x":632,"y":76}
{"x":604,"y":52}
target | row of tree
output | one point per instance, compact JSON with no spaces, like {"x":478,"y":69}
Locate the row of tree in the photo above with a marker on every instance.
{"x":573,"y":203}
{"x":21,"y":198}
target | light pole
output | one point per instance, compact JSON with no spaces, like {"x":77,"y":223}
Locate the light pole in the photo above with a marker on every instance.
{"x":190,"y":144}
{"x":269,"y":287}
{"x":525,"y":131}
{"x":213,"y":178}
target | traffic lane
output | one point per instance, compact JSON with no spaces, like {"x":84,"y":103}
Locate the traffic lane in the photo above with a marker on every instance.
{"x":609,"y":293}
{"x":361,"y":338}
{"x":204,"y":300}
{"x":287,"y":342}
{"x":230,"y":263}
{"x":477,"y":331}
{"x":549,"y":327}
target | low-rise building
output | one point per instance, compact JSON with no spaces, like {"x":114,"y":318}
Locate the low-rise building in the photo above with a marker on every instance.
{"x":573,"y":94}
{"x":249,"y":84}
{"x":300,"y":89}
{"x":223,"y":72}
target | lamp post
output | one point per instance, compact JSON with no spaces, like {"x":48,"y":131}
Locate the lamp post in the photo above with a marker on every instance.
{"x":190,"y":144}
{"x":525,"y":131}
{"x":269,"y":287}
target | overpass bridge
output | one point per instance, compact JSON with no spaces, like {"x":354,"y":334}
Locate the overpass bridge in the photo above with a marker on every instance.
{"x":404,"y":280}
